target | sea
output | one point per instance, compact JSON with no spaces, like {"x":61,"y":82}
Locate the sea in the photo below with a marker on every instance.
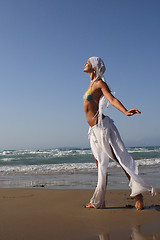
{"x":71,"y":168}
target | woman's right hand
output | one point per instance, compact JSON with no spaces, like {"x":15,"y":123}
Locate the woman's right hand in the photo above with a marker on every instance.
{"x":132,"y":112}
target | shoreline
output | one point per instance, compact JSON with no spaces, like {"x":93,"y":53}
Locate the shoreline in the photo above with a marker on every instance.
{"x":39,"y":213}
{"x":76,"y":179}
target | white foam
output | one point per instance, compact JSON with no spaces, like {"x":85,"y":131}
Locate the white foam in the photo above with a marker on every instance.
{"x":7,"y":159}
{"x":52,"y":153}
{"x":148,"y":162}
{"x":51,"y":168}
{"x":66,"y":167}
{"x":47,"y":169}
{"x":145,"y":150}
{"x":71,"y":152}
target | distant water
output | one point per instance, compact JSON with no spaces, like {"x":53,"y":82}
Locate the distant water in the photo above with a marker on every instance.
{"x":71,"y":168}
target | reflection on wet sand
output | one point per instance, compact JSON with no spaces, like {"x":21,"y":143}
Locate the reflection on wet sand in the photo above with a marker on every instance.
{"x":136,"y":234}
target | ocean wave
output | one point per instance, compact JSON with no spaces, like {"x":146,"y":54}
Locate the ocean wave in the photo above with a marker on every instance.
{"x":144,"y":150}
{"x":51,"y":153}
{"x":59,"y":153}
{"x":67,"y":167}
{"x":47,"y":169}
{"x":148,"y":162}
{"x":7,"y":159}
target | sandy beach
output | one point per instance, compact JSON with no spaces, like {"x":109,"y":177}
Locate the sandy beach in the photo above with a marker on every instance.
{"x":60,"y":214}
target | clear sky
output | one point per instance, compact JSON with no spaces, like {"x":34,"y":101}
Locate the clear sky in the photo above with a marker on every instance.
{"x":43,"y":47}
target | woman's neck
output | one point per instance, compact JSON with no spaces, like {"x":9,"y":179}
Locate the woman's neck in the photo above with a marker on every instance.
{"x":92,"y":76}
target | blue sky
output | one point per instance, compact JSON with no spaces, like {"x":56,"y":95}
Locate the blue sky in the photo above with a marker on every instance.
{"x":43,"y":47}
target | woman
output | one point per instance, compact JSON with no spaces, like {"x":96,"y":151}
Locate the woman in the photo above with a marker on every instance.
{"x":105,"y":140}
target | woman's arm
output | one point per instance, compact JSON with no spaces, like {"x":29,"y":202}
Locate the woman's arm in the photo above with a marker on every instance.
{"x":115,"y":102}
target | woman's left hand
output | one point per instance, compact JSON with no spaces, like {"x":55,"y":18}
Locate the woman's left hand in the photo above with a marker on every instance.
{"x":132,"y":112}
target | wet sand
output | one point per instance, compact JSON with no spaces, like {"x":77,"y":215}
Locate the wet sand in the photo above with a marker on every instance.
{"x":37,"y":214}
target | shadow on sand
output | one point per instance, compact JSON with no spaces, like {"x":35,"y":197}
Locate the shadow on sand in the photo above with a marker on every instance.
{"x":155,"y":207}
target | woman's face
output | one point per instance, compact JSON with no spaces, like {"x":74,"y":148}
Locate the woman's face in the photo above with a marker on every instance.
{"x":88,"y":67}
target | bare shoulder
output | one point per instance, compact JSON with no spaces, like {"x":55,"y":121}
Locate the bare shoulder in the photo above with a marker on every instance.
{"x":102,"y":85}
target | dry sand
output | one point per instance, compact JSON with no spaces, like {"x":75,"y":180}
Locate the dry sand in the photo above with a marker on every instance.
{"x":35,"y":214}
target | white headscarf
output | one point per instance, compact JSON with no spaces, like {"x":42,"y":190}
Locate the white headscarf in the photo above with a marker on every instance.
{"x":98,"y":66}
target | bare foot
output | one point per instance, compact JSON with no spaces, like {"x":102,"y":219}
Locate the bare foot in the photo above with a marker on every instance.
{"x":139,"y":202}
{"x":89,"y":205}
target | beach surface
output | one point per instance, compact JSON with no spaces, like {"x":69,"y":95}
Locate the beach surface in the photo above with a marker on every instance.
{"x":38,"y":213}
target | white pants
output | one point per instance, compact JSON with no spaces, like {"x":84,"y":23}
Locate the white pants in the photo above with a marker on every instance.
{"x":102,"y":139}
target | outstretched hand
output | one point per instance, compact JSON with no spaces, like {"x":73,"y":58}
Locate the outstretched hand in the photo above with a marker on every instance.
{"x":132,"y":112}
